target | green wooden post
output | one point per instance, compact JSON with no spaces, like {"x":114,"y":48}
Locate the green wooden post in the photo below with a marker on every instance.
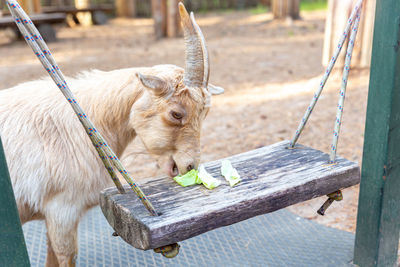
{"x":12,"y":243}
{"x":378,"y":218}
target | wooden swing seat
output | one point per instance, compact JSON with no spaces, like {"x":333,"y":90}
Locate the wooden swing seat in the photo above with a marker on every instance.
{"x":273,"y":177}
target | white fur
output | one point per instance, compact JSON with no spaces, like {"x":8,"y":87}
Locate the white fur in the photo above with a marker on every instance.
{"x":55,"y":171}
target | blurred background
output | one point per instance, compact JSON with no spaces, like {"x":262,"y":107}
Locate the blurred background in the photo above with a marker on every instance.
{"x":269,"y":55}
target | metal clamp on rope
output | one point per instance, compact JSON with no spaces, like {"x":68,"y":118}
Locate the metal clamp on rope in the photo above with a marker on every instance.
{"x":331,"y":197}
{"x":168,"y":251}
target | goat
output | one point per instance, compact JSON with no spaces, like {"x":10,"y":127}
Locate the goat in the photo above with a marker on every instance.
{"x":55,"y":171}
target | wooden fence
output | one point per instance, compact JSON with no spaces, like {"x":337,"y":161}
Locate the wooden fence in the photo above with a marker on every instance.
{"x":143,"y":7}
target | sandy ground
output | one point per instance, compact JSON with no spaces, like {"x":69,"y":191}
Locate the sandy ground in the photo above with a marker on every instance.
{"x":269,"y":70}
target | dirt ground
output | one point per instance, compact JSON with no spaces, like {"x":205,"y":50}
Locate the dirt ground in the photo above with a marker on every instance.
{"x":269,"y":71}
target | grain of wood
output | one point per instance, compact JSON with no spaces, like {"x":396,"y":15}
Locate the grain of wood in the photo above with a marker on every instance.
{"x":274,"y":177}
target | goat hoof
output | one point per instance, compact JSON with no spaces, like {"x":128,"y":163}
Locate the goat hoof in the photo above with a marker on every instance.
{"x":169,"y":251}
{"x":114,"y":234}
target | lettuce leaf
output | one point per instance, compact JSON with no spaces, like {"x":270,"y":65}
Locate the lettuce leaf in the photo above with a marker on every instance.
{"x":197,"y":177}
{"x":188,"y":179}
{"x":207,"y":179}
{"x":230,"y":173}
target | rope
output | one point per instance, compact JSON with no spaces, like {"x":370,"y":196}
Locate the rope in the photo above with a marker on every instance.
{"x":355,"y":14}
{"x":39,"y":47}
{"x":346,"y":70}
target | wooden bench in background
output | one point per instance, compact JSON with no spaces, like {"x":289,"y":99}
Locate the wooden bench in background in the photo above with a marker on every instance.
{"x":98,"y":12}
{"x":42,"y":21}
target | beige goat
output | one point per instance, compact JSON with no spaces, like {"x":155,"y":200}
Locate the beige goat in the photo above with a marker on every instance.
{"x":55,"y":171}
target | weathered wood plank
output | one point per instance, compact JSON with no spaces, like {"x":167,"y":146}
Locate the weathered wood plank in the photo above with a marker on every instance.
{"x":274,"y":177}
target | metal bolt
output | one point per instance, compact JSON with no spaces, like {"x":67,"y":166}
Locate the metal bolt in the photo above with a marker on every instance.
{"x":168,"y":251}
{"x":331,"y":197}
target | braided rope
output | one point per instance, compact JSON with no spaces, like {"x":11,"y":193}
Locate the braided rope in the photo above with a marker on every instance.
{"x":332,"y":62}
{"x":342,"y":95}
{"x":39,"y":47}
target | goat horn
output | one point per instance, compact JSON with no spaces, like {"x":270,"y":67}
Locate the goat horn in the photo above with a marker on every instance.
{"x":197,"y":70}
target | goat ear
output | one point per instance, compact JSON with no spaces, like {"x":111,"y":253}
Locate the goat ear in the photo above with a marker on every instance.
{"x":157,"y":85}
{"x":215,"y":90}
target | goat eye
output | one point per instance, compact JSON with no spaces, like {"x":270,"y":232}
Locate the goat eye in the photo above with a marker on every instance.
{"x":176,"y":115}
